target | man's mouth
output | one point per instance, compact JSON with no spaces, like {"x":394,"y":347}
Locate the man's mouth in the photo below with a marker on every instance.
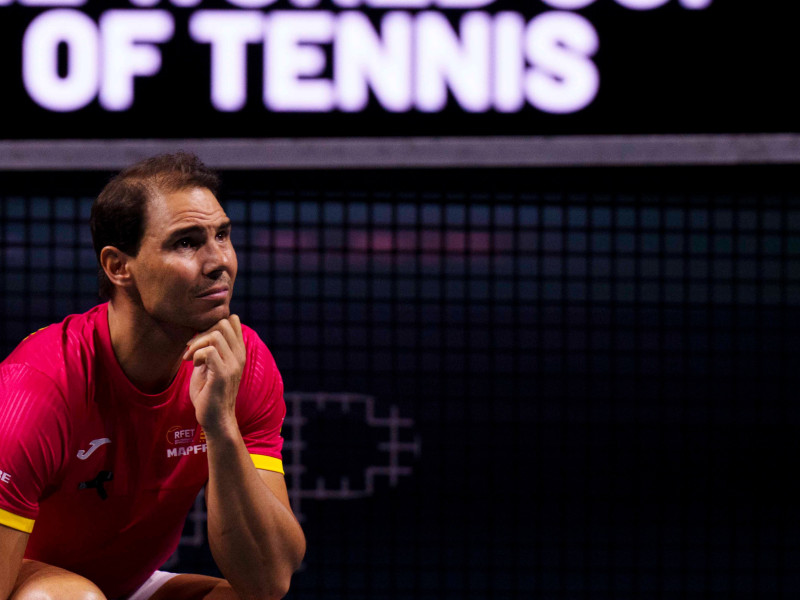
{"x":215,"y":293}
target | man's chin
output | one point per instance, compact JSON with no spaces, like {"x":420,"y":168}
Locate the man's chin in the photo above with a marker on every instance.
{"x":210,"y":318}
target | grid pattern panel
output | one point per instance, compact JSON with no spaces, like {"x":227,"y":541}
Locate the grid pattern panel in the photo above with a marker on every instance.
{"x":47,"y":263}
{"x":600,"y":383}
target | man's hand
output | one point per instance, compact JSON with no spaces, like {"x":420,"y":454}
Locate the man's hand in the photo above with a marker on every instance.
{"x":255,"y":539}
{"x":219,"y":356}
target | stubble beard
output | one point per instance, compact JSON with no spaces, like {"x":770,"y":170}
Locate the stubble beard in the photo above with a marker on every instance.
{"x":207,"y":321}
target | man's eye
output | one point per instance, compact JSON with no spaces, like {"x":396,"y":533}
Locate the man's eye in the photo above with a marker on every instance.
{"x":222,"y":235}
{"x":184,"y":243}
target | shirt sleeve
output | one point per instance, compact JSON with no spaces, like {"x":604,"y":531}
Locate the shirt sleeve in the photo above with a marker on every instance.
{"x":32,"y":442}
{"x":260,"y":406}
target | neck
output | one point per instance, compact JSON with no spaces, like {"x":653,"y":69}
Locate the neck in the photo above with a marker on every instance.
{"x":149,"y":351}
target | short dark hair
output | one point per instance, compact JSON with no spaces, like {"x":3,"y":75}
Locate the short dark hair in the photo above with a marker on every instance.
{"x":118,"y":213}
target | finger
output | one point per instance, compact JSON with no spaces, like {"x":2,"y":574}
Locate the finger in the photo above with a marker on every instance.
{"x":227,"y":329}
{"x":235,"y":342}
{"x":208,"y":356}
{"x":236,"y":324}
{"x":214,"y":339}
{"x":231,"y":329}
{"x":197,"y":342}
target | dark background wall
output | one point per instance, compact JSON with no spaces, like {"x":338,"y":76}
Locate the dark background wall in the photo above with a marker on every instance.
{"x":521,"y":383}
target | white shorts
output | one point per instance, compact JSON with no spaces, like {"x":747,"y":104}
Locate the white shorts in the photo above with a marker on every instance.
{"x":149,"y":587}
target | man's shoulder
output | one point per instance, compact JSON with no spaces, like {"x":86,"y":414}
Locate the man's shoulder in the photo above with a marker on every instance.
{"x":257,"y":350}
{"x":260,"y":370}
{"x":58,"y":350}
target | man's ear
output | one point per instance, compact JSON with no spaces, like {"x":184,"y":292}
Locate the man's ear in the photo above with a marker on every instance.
{"x":115,"y":263}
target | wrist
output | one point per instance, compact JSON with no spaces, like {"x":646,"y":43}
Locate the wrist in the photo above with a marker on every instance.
{"x":221,"y":430}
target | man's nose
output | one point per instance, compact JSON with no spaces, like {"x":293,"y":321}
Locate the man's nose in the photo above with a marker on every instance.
{"x":219,"y":259}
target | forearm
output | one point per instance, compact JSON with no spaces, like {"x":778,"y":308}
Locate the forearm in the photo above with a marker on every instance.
{"x":12,"y":548}
{"x":255,"y":539}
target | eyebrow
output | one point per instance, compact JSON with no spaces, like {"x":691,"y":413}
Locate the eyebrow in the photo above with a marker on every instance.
{"x":196,"y":229}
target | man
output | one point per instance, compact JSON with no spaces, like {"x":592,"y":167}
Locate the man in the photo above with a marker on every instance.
{"x":112,"y":421}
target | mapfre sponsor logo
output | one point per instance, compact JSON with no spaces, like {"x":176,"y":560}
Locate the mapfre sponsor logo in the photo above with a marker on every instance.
{"x":5,"y":477}
{"x":183,"y":440}
{"x":187,"y":450}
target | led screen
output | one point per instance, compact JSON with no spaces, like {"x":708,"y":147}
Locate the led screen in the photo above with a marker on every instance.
{"x":272,"y":68}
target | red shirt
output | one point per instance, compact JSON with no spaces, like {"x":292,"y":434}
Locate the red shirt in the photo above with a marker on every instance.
{"x":106,"y":472}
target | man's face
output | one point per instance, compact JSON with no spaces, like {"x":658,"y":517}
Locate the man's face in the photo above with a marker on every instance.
{"x":186,"y":265}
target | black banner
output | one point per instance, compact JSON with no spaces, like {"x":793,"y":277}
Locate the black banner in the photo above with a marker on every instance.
{"x":288,"y":68}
